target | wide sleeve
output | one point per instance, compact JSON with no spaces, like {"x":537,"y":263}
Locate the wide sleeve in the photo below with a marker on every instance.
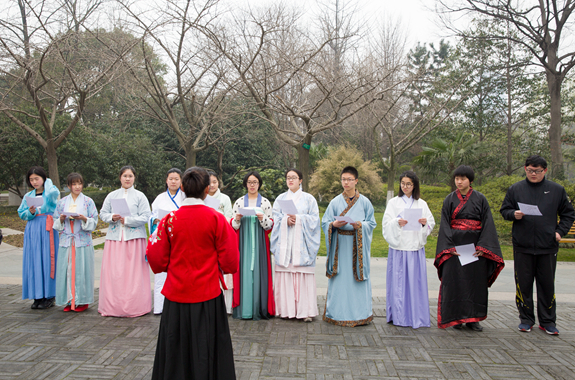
{"x":51,"y":194}
{"x":143,"y":213}
{"x":106,"y":211}
{"x":91,"y":216}
{"x":57,"y":212}
{"x":426,"y":230}
{"x":390,"y":225}
{"x":227,"y":246}
{"x":267,"y":222}
{"x":566,"y":215}
{"x":275,"y":236}
{"x":310,"y":230}
{"x":488,"y":241}
{"x":159,"y":247}
{"x":24,"y":210}
{"x":368,"y":224}
{"x":445,"y":245}
{"x":509,"y":206}
{"x":330,"y":235}
{"x":236,"y":223}
{"x":153,"y":216}
{"x":228,"y":212}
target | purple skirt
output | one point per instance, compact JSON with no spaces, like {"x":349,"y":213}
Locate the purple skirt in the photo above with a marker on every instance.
{"x":407,"y":301}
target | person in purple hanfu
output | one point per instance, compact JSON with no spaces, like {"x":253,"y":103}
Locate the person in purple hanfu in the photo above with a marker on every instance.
{"x":407,"y":298}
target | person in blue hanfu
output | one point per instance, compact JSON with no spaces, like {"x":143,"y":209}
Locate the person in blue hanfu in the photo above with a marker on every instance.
{"x":75,"y":217}
{"x":294,"y":241}
{"x":40,"y":241}
{"x":348,"y":252}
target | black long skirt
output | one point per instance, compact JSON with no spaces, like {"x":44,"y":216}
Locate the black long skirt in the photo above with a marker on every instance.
{"x":194,"y":342}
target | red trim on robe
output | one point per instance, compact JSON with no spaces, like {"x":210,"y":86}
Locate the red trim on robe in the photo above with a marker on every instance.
{"x":498,"y":261}
{"x":452,"y":323}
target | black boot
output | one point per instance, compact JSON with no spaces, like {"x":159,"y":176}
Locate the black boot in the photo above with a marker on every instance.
{"x":475,"y":326}
{"x":36,"y":303}
{"x":46,"y":303}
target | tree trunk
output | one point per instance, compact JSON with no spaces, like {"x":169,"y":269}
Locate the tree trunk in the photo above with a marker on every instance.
{"x":509,"y":168}
{"x":52,"y":163}
{"x":390,"y":183}
{"x":191,"y":154}
{"x":554,"y":84}
{"x":303,"y":161}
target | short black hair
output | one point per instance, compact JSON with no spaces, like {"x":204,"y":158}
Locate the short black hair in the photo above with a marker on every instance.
{"x":464,"y":171}
{"x":212,"y":173}
{"x":255,"y":174}
{"x":127,"y":167}
{"x":195,"y":181}
{"x":74,"y":177}
{"x":413,"y":177}
{"x":38,"y":170}
{"x":296,"y":171}
{"x":173,"y":170}
{"x":535,"y":161}
{"x":350,"y":170}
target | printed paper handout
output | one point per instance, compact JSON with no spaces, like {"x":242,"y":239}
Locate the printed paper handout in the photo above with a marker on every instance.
{"x":529,"y":209}
{"x":246,"y":211}
{"x":34,"y":201}
{"x":288,"y":206}
{"x":346,"y":219}
{"x":412,"y":215}
{"x":120,"y":207}
{"x":212,"y":202}
{"x":466,"y":253}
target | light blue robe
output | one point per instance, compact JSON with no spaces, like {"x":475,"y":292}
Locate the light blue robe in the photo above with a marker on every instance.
{"x":36,"y":264}
{"x":348,"y":294}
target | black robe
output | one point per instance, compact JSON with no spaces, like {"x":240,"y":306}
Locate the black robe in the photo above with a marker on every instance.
{"x":463,"y":290}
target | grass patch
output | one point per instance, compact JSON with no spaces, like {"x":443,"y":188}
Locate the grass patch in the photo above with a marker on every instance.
{"x":379,"y":247}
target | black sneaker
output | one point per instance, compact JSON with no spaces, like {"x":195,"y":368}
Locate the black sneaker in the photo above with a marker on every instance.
{"x":46,"y":303}
{"x":475,"y":326}
{"x":36,"y":303}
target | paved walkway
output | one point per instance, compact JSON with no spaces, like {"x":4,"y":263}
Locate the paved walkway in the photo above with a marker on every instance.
{"x":50,"y":344}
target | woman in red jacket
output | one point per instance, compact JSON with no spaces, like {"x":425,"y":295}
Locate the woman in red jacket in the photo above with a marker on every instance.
{"x":195,"y":245}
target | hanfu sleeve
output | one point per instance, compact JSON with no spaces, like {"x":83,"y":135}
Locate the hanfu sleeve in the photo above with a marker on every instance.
{"x":390,"y":225}
{"x":267,"y":222}
{"x":24,"y":210}
{"x":275,"y":236}
{"x":91,"y":216}
{"x":227,"y":246}
{"x":159,"y":247}
{"x":488,"y":241}
{"x":228,"y":212}
{"x":311,"y":232}
{"x":143,"y":213}
{"x":236,"y":223}
{"x":426,"y":230}
{"x":57,"y":212}
{"x":445,"y":244}
{"x":106,"y":211}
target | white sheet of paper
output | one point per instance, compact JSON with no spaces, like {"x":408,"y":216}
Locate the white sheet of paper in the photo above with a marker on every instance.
{"x":529,"y":209}
{"x":344,"y":219}
{"x":73,"y":214}
{"x":412,"y":215}
{"x":212,"y":202}
{"x":246,"y":211}
{"x":466,"y":253}
{"x":162,"y":213}
{"x":34,"y":201}
{"x":120,"y":207}
{"x":288,"y":206}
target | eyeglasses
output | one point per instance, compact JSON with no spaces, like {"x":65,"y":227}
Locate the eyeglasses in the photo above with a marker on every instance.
{"x":292,"y":178}
{"x":348,"y":179}
{"x":253,"y":183}
{"x":403,"y":184}
{"x":531,"y":171}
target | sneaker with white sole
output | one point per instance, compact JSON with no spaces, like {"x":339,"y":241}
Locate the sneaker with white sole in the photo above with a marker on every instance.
{"x":524,"y":327}
{"x":551,"y":330}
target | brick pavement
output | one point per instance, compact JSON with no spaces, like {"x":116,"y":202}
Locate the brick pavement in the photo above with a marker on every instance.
{"x":40,"y":344}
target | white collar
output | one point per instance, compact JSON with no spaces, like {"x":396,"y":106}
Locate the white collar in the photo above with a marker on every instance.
{"x":192,"y":202}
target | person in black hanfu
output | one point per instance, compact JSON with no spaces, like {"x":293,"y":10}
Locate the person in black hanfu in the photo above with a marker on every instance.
{"x":465,"y":219}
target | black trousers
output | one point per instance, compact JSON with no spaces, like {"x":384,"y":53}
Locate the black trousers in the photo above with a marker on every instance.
{"x":540,"y":268}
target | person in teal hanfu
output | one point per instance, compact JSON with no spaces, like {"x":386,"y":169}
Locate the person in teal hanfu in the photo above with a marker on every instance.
{"x":348,"y":253}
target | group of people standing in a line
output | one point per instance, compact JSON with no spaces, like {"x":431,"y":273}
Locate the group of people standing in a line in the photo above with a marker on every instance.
{"x":209,"y":262}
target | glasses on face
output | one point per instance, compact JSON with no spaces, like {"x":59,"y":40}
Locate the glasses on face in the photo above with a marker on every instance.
{"x":403,"y":184}
{"x":347,"y":179}
{"x":292,"y":178}
{"x":253,"y":183}
{"x":531,"y":171}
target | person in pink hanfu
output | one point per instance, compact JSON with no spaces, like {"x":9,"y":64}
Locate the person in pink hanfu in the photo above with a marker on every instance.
{"x":125,"y":289}
{"x":294,"y":241}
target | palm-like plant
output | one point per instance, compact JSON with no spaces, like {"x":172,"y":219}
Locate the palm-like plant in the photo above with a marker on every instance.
{"x":442,"y":156}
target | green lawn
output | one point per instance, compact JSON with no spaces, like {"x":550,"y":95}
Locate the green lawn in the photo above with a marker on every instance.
{"x":379,"y":246}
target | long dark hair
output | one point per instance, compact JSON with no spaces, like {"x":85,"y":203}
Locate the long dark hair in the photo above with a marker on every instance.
{"x":413,"y":177}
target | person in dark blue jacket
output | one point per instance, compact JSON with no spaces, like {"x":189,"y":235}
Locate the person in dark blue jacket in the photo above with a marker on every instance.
{"x":536,"y":241}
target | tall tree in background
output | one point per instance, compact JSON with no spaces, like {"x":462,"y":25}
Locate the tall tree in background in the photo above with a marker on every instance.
{"x":541,"y":28}
{"x":52,"y":65}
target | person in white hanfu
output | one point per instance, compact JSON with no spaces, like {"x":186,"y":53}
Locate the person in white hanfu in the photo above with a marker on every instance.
{"x":125,"y":275}
{"x":295,"y":241}
{"x":75,"y":271}
{"x":407,"y":298}
{"x":224,"y":208}
{"x":169,"y":200}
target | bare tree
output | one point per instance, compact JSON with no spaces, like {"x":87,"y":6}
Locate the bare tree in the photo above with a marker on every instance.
{"x":190,"y":92}
{"x":541,"y":28}
{"x":52,"y":65}
{"x":289,"y":75}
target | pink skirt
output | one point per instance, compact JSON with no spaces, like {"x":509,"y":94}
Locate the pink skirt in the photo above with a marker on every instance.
{"x":125,"y":289}
{"x":295,"y":295}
